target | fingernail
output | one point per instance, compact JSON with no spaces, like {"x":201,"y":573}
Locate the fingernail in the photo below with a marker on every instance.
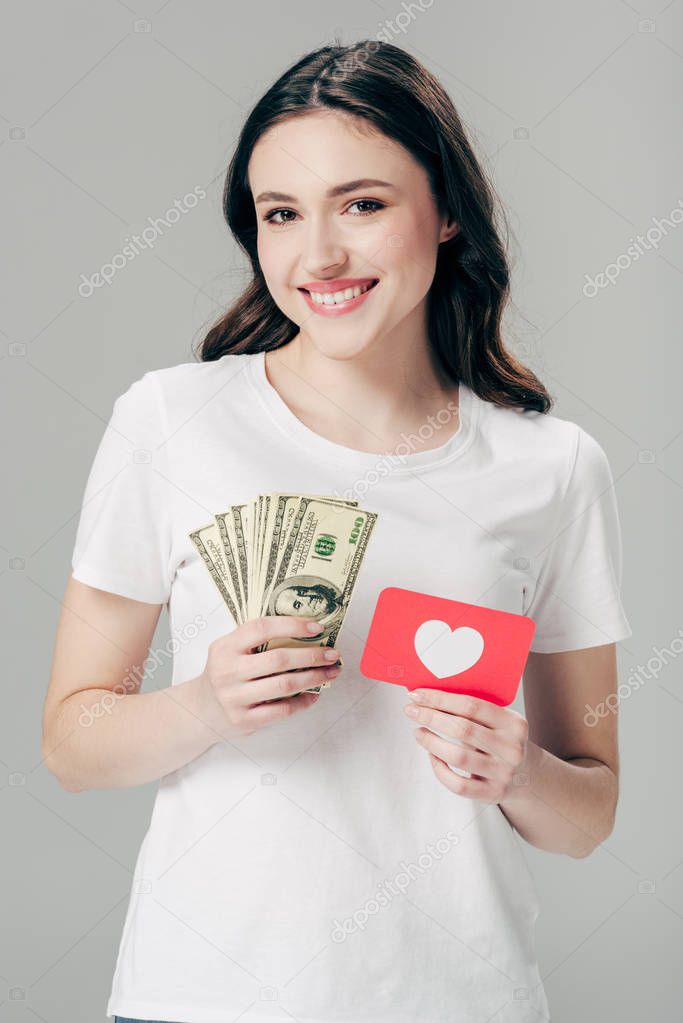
{"x":314,"y":627}
{"x":331,"y":655}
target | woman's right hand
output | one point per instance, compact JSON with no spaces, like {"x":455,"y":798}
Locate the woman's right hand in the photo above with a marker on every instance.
{"x":236,"y":681}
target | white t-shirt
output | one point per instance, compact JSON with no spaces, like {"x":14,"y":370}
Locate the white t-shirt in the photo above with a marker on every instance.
{"x":317,"y":869}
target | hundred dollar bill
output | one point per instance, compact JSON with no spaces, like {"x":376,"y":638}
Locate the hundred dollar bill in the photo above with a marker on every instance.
{"x":247,"y":534}
{"x":319,"y":566}
{"x":281,"y":515}
{"x":276,"y":516}
{"x":211,"y":549}
{"x":287,"y":554}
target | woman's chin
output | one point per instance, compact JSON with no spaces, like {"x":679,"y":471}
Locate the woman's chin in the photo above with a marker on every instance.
{"x":343,"y":348}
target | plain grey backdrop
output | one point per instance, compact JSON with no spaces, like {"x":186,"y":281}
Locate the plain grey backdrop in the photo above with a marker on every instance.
{"x":110,"y":111}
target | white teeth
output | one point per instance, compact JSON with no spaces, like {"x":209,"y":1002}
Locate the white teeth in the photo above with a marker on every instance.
{"x":335,"y":297}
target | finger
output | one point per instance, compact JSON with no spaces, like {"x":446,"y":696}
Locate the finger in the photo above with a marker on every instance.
{"x":462,"y":757}
{"x":275,"y":687}
{"x":265,"y":714}
{"x":483,"y":712}
{"x":467,"y":787}
{"x":456,"y":727}
{"x":271,"y":662}
{"x":258,"y":630}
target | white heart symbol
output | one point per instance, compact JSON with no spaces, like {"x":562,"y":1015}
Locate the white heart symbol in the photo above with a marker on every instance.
{"x":445,"y":652}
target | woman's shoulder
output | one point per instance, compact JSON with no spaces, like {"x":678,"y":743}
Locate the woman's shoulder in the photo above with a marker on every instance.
{"x":197,"y":374}
{"x":190,"y":381}
{"x":177,"y":392}
{"x":550,"y":443}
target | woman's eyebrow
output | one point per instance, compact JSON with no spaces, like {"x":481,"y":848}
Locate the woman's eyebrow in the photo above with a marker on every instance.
{"x":347,"y":186}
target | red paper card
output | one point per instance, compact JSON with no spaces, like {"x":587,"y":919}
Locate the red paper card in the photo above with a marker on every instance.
{"x":425,"y":642}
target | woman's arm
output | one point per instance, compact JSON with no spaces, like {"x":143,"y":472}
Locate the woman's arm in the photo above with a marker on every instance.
{"x":523,"y":763}
{"x":99,"y":731}
{"x":570,"y":779}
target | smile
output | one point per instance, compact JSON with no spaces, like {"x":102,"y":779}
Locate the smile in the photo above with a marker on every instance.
{"x":335,"y":302}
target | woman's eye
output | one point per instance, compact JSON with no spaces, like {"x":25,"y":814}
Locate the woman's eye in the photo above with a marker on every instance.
{"x":270,"y":217}
{"x":367,"y":202}
{"x":273,"y":213}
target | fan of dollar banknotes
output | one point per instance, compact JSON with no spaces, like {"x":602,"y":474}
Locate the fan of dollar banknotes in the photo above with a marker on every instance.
{"x":287,"y":554}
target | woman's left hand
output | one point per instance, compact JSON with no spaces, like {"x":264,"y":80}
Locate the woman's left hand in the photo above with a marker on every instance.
{"x":495,"y":741}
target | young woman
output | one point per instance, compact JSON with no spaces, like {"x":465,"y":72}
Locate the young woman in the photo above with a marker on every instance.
{"x":322,"y":858}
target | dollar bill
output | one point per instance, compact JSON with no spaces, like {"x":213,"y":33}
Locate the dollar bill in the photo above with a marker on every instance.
{"x":220,"y":566}
{"x":288,"y":554}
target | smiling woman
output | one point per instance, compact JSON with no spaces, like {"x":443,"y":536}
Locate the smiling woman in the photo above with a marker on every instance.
{"x":370,"y":246}
{"x":328,"y":185}
{"x":370,"y":327}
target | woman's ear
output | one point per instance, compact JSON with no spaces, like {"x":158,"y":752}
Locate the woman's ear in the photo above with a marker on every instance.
{"x":448,"y":230}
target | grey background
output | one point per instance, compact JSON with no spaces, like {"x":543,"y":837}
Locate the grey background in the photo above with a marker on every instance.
{"x":109,"y":112}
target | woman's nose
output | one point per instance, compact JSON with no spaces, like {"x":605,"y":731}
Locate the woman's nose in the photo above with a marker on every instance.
{"x":323,"y":250}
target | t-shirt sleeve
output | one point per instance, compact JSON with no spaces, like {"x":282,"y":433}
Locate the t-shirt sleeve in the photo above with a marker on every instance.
{"x":576,"y":601}
{"x":123,"y":540}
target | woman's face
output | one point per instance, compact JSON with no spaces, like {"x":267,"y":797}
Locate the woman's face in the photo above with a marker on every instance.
{"x":308,"y":237}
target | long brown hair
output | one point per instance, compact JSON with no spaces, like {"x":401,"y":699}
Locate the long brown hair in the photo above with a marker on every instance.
{"x":387,"y":87}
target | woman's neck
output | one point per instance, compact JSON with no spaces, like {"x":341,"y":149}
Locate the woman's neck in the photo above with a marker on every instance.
{"x":367,"y":402}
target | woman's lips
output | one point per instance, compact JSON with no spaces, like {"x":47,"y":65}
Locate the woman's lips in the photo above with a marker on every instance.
{"x":337,"y":308}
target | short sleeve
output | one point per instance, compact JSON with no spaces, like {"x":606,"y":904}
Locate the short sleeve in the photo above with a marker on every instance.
{"x":576,"y":601}
{"x":123,"y":540}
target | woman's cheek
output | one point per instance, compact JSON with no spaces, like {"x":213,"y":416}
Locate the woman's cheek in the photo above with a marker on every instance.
{"x":411,"y":243}
{"x":271,"y":268}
